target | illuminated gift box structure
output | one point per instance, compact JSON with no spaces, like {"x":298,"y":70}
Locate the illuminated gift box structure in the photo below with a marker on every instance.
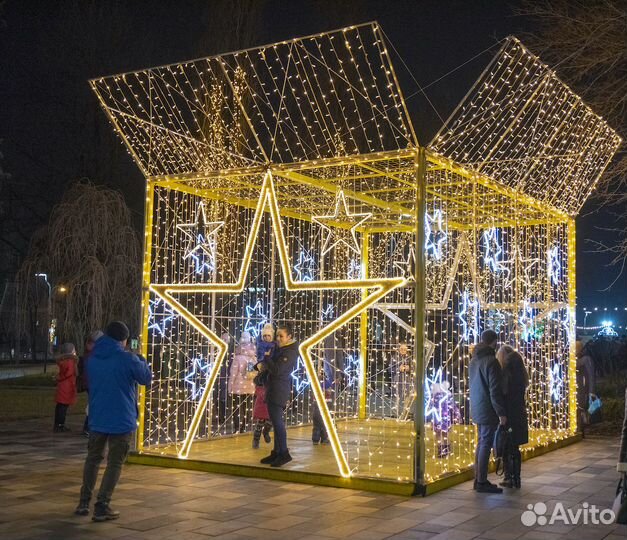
{"x":285,"y":184}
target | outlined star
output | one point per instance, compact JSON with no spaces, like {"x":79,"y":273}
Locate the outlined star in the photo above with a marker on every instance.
{"x":342,"y":235}
{"x":469,"y":317}
{"x":255,"y":312}
{"x":202,"y":239}
{"x":165,"y":317}
{"x":199,"y":368}
{"x":556,"y":381}
{"x":434,"y":408}
{"x":493,"y":251}
{"x":305,"y":266}
{"x":554,"y":266}
{"x":375,"y":289}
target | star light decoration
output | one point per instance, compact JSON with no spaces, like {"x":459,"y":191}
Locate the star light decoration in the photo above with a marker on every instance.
{"x":157,"y":322}
{"x":556,"y":381}
{"x":376,"y":289}
{"x":433,"y":408}
{"x":469,"y":317}
{"x":493,"y":251}
{"x":354,"y":269}
{"x":435,"y":234}
{"x":352,"y":369}
{"x":255,"y":313}
{"x":338,"y":235}
{"x":554,"y":266}
{"x":202,"y":240}
{"x":299,"y":377}
{"x":200,"y":370}
{"x":305,"y":267}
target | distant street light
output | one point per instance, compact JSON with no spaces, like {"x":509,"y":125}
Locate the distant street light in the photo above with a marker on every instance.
{"x":585,"y":317}
{"x":49,"y":317}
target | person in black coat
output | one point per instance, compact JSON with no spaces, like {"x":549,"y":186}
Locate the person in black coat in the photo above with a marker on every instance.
{"x":515,"y":382}
{"x":278,"y":391}
{"x":487,"y":406}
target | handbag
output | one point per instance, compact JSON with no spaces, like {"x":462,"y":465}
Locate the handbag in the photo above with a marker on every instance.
{"x":595,"y":409}
{"x":619,"y":507}
{"x":503,"y":448}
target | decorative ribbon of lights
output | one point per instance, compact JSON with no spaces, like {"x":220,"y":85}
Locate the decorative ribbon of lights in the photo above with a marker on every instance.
{"x":377,"y":289}
{"x":435,"y":234}
{"x":158,"y":321}
{"x":341,"y":215}
{"x":202,"y":237}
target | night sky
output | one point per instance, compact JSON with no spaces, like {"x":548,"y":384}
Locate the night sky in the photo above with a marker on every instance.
{"x":54,"y":132}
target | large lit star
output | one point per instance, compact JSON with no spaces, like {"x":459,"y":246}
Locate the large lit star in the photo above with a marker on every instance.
{"x":375,"y":290}
{"x":336,"y":226}
{"x":202,"y":239}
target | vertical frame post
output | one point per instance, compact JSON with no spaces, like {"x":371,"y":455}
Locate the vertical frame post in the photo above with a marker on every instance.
{"x":363,"y":331}
{"x":146,"y":282}
{"x":419,"y":342}
{"x":572,"y":312}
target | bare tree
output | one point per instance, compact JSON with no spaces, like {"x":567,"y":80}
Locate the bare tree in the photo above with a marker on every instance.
{"x":91,"y":255}
{"x":584,"y":40}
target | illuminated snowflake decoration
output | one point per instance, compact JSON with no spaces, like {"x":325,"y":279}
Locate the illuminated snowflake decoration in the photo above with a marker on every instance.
{"x":435,"y":235}
{"x":493,"y":251}
{"x":435,"y":386}
{"x":255,"y":319}
{"x":158,"y":319}
{"x":200,"y":370}
{"x":202,"y":240}
{"x":351,"y":369}
{"x":554,"y":266}
{"x":556,"y":381}
{"x":305,"y":267}
{"x":469,"y":317}
{"x":299,"y":377}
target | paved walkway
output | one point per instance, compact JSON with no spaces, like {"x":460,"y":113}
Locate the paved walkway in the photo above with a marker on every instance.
{"x":40,"y":479}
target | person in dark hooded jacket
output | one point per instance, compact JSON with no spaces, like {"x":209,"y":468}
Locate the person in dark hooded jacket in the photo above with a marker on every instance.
{"x":278,"y":391}
{"x":515,"y":382}
{"x":487,"y":405}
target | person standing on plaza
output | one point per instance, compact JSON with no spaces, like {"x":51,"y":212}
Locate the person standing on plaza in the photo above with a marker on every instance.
{"x":113,"y":375}
{"x":278,"y":391}
{"x":487,"y":405}
{"x":81,"y":380}
{"x":65,"y":394}
{"x":515,"y":382}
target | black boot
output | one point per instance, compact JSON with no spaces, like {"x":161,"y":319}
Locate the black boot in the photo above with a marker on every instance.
{"x":508,"y":474}
{"x":281,"y":459}
{"x":257,"y":435}
{"x":269,"y":459}
{"x":517,"y":463}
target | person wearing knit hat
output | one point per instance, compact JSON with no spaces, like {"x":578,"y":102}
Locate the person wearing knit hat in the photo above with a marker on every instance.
{"x":65,"y":394}
{"x":112,"y":375}
{"x":81,"y":381}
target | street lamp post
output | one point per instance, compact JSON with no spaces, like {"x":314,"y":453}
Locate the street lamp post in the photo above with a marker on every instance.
{"x":585,"y":317}
{"x":49,"y":317}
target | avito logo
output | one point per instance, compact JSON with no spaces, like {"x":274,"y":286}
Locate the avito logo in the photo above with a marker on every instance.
{"x":587,"y":514}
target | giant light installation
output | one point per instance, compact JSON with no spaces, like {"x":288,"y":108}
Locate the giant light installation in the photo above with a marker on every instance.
{"x":286,"y":183}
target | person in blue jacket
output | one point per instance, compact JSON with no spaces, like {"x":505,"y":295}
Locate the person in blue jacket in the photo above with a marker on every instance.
{"x":113,"y":375}
{"x":279,"y":390}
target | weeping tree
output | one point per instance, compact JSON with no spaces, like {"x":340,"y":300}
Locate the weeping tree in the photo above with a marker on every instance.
{"x":92,"y":258}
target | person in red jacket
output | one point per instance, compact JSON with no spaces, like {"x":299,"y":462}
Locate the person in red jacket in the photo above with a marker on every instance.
{"x":66,"y":385}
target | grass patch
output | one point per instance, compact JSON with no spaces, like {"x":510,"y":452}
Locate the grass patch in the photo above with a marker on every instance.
{"x":36,"y":379}
{"x":36,"y":402}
